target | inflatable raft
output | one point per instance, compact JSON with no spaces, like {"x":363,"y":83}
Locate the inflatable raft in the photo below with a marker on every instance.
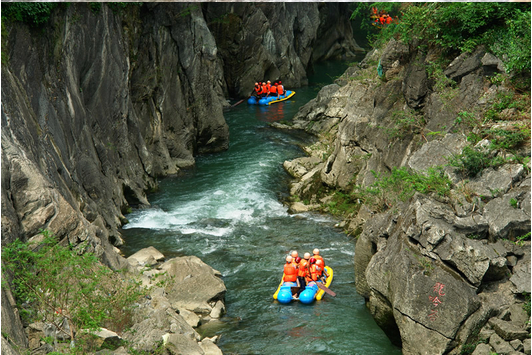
{"x":311,"y":292}
{"x":271,"y":100}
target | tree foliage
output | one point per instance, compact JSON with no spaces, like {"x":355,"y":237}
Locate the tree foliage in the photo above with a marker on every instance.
{"x":461,"y":26}
{"x":33,"y":13}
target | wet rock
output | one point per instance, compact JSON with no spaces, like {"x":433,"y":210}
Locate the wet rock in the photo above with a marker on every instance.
{"x":278,"y":41}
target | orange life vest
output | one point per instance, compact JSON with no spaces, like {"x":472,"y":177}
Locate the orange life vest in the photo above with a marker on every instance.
{"x":264,"y":89}
{"x":312,"y":273}
{"x":258,"y":90}
{"x":273,"y":89}
{"x":296,"y":265}
{"x":280,"y":89}
{"x":290,"y":273}
{"x":268,"y":87}
{"x":318,"y":257}
{"x":319,"y":270}
{"x":302,"y":268}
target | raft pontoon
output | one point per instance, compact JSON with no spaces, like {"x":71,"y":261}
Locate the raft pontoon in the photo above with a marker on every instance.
{"x":311,"y":292}
{"x":271,"y":99}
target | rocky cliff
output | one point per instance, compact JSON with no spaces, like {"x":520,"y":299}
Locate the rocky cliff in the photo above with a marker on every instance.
{"x":100,"y":102}
{"x":265,"y":42}
{"x":442,"y":252}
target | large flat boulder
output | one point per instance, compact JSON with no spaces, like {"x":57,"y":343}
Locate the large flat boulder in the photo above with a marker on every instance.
{"x":196,"y":286}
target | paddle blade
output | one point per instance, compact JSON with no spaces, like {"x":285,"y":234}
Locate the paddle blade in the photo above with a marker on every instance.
{"x":324,"y":288}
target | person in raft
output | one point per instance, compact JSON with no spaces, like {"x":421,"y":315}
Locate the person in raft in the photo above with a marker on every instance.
{"x":280,"y":89}
{"x":290,"y":270}
{"x":320,"y":268}
{"x":317,"y":255}
{"x":264,"y":89}
{"x":301,"y":272}
{"x":268,"y":88}
{"x":273,"y":89}
{"x":257,"y":91}
{"x":312,"y":271}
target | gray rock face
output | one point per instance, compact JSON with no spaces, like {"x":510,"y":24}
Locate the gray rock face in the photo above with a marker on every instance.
{"x":11,"y":324}
{"x":277,"y":41}
{"x":86,"y":137}
{"x":465,"y":64}
{"x":193,"y":293}
{"x":433,"y":269}
{"x":415,"y":85}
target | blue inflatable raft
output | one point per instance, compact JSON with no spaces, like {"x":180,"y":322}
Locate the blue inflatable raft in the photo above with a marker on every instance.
{"x":271,"y":99}
{"x":311,"y":292}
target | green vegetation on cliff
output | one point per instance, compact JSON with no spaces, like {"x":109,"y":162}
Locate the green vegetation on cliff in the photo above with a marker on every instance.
{"x":503,"y":27}
{"x":67,"y":287}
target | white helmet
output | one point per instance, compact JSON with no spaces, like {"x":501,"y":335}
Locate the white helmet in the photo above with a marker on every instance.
{"x":294,"y":254}
{"x":306,"y":256}
{"x":288,"y":259}
{"x":316,"y":251}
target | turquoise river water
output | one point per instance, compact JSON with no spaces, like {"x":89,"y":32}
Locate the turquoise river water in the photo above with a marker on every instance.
{"x":228,"y":211}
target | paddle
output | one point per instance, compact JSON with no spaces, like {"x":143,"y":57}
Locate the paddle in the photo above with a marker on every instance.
{"x":324,"y":288}
{"x":238,"y":103}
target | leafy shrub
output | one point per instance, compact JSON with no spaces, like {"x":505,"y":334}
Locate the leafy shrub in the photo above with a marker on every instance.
{"x":461,"y":26}
{"x":508,"y":139}
{"x":342,"y":204}
{"x":401,"y":185}
{"x":472,"y":161}
{"x":52,"y":282}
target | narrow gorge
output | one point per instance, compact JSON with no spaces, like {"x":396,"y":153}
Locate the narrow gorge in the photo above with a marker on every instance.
{"x":108,"y":108}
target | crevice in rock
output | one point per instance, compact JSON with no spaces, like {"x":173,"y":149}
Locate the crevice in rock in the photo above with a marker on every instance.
{"x":423,"y":325}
